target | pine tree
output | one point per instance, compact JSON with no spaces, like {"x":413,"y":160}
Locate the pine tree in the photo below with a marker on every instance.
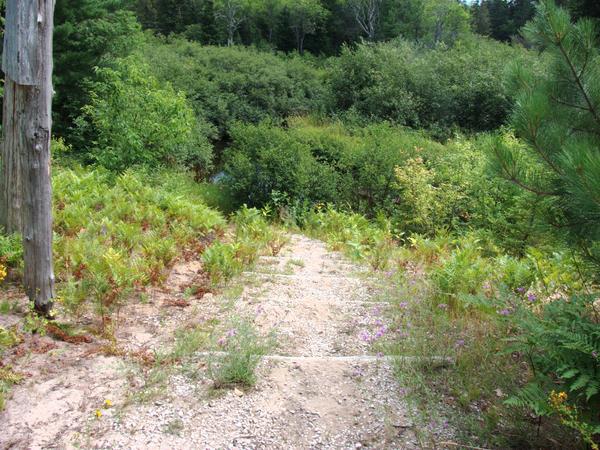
{"x":557,"y":114}
{"x":480,"y":18}
{"x":582,"y":8}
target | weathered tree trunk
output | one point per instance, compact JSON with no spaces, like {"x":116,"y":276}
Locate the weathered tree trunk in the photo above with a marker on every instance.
{"x":28,"y":64}
{"x":10,"y":166}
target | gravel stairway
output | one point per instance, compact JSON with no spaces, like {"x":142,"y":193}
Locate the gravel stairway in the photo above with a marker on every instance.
{"x":322,"y":387}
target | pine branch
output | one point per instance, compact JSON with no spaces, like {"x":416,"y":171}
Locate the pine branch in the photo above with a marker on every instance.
{"x":570,"y":105}
{"x":578,"y":81}
{"x":513,"y":179}
{"x":544,"y":156}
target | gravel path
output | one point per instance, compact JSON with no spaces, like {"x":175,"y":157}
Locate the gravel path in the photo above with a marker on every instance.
{"x":322,"y":388}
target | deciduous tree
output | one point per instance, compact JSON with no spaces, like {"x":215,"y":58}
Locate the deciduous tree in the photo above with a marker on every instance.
{"x":231,"y":13}
{"x":366,"y":13}
{"x":305,"y":17}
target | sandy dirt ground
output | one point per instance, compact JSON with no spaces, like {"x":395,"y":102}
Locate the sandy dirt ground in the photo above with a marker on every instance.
{"x":322,"y":387}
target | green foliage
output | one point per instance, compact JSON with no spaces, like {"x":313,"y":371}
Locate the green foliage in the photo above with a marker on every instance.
{"x":264,"y":159}
{"x":562,"y":343}
{"x":462,"y":272}
{"x":426,"y":87}
{"x":220,"y":261}
{"x":243,"y":348}
{"x":353,"y":233}
{"x":34,"y":323}
{"x":231,"y":13}
{"x":253,"y":228}
{"x":304,"y":17}
{"x":420,"y":185}
{"x":87,"y":34}
{"x":317,"y":163}
{"x":118,"y":233}
{"x":8,"y":377}
{"x":556,"y":114}
{"x":501,"y":19}
{"x":226,"y":85}
{"x":9,"y":338}
{"x":444,"y":20}
{"x":133,"y":120}
{"x":11,"y":250}
{"x":253,"y":236}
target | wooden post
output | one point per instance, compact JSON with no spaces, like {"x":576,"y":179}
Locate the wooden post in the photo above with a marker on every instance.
{"x":27,"y":64}
{"x":10,"y":164}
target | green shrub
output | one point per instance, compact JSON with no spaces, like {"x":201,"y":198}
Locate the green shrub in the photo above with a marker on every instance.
{"x":264,"y":159}
{"x":220,"y":261}
{"x":436,"y":88}
{"x":252,"y":227}
{"x":134,"y":120}
{"x":463,"y":272}
{"x":318,"y":164}
{"x":421,"y":185}
{"x":227,"y":85}
{"x":354,"y":234}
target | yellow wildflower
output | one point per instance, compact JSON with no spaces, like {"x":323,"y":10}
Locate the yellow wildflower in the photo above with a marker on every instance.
{"x":3,"y":272}
{"x":558,"y":398}
{"x":108,"y":403}
{"x":98,"y":414}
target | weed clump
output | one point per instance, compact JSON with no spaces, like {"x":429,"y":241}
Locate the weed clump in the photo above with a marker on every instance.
{"x":242,"y":349}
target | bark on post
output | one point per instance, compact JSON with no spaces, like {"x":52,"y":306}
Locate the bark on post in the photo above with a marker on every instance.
{"x":27,"y":63}
{"x":10,"y":164}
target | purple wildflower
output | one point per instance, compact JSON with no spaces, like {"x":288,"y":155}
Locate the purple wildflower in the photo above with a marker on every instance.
{"x":459,"y":343}
{"x":221,"y":342}
{"x":487,"y":286}
{"x":403,"y":305}
{"x":381,"y":332}
{"x":379,"y":322}
{"x":231,"y":332}
{"x":531,"y":297}
{"x":365,"y":336}
{"x":443,"y":306}
{"x":504,"y":312}
{"x":595,"y":354}
{"x":520,"y":290}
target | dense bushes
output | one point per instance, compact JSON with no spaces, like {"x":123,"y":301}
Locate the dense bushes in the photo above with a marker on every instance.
{"x":133,"y":120}
{"x":314,"y":163}
{"x":266,"y":159}
{"x":421,"y":87}
{"x":226,"y":85}
{"x":421,"y":185}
